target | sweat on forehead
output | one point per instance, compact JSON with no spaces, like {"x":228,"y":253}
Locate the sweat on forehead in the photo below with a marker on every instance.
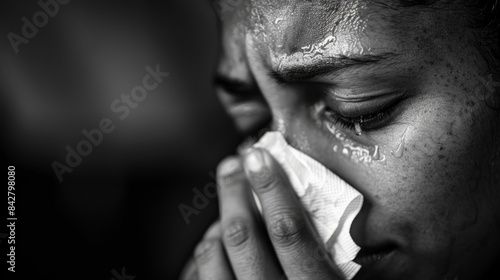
{"x":289,"y":25}
{"x":347,"y":28}
{"x":292,"y":23}
{"x":294,"y":30}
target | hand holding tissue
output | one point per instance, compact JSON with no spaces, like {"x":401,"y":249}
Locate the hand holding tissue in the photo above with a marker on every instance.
{"x":331,"y":203}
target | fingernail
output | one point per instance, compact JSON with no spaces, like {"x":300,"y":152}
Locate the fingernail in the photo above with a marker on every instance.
{"x":254,"y":161}
{"x":229,"y":167}
{"x":202,"y":248}
{"x":213,"y":231}
{"x":227,"y":170}
{"x":246,"y":146}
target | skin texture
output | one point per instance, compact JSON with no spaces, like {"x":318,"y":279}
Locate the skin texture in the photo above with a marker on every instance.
{"x":433,"y":194}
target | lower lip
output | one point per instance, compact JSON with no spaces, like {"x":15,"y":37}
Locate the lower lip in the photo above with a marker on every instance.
{"x":247,"y":109}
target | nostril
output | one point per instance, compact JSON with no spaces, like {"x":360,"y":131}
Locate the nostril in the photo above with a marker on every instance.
{"x":369,"y":255}
{"x":358,"y":227}
{"x":380,"y":249}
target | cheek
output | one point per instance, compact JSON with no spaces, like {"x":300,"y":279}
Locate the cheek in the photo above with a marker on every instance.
{"x":440,"y":186}
{"x":437,"y":174}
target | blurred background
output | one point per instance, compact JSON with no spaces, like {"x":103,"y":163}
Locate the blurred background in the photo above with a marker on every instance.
{"x":119,"y":208}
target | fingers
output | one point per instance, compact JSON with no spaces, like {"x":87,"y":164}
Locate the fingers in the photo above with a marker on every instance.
{"x":301,"y":253}
{"x":246,"y":242}
{"x":214,"y":231}
{"x":189,"y":272}
{"x":210,"y":258}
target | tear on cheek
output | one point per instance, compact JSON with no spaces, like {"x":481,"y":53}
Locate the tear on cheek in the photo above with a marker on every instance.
{"x":426,"y":143}
{"x":352,"y":150}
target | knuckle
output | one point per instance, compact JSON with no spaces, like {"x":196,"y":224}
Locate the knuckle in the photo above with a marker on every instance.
{"x":264,"y":181}
{"x":237,"y":233}
{"x":310,"y":265}
{"x":287,"y":231}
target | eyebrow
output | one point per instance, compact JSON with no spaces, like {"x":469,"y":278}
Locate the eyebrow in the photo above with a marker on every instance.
{"x":304,"y":73}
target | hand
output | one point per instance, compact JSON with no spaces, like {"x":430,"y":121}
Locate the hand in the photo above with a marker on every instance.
{"x":282,"y":245}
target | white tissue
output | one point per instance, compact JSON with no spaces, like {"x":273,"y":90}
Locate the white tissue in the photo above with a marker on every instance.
{"x":331,"y":202}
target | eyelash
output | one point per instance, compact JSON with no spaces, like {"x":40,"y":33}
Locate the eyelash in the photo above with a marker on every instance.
{"x":366,"y":122}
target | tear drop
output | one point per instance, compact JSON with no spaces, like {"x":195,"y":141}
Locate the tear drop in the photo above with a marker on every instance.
{"x":400,"y":149}
{"x":401,"y":146}
{"x":357,"y":127}
{"x":376,"y":153}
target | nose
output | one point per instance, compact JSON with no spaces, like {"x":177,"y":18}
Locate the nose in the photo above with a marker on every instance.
{"x":357,"y":231}
{"x":366,"y":230}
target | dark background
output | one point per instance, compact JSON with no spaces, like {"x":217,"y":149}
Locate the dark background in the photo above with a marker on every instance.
{"x":120,"y":207}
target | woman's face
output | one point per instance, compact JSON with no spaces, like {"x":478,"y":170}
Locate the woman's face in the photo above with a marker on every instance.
{"x":399,"y":102}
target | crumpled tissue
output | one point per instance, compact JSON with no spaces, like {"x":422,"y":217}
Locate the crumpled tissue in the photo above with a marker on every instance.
{"x":331,"y":203}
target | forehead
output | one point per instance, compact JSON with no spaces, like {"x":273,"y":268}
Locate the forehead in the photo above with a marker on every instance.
{"x":292,"y":23}
{"x":294,"y":30}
